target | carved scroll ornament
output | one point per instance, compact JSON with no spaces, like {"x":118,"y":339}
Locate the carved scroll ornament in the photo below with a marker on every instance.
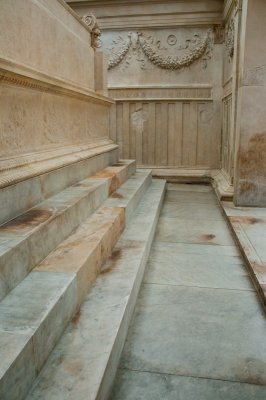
{"x":92,"y":23}
{"x":155,"y":53}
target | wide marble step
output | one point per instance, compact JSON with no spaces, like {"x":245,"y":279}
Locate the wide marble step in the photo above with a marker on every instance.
{"x":29,"y":238}
{"x":84,"y":363}
{"x":34,"y":181}
{"x":34,"y":315}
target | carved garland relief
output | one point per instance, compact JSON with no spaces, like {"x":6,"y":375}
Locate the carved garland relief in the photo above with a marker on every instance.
{"x":144,"y":47}
{"x":230,"y":38}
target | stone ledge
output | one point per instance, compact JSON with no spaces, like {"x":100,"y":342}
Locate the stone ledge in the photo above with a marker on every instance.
{"x":248,"y":227}
{"x":22,"y":167}
{"x":12,"y":73}
{"x":175,"y":175}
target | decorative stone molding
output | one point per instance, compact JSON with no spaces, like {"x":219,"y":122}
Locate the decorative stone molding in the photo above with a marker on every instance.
{"x":161,"y":93}
{"x":148,"y":46}
{"x":230,"y":38}
{"x":92,"y":23}
{"x":34,"y":80}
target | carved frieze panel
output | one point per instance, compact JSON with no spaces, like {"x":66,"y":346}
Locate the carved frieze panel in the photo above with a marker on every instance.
{"x":169,"y":53}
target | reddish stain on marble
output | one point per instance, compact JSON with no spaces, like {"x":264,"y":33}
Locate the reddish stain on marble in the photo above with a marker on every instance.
{"x":115,"y":256}
{"x":76,"y":318}
{"x":208,"y":236}
{"x":117,"y":195}
{"x":247,"y":220}
{"x":29,"y":219}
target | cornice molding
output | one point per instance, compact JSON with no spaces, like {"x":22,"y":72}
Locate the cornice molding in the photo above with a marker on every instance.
{"x":123,"y":2}
{"x":14,"y":74}
{"x":121,"y":14}
{"x":159,"y":21}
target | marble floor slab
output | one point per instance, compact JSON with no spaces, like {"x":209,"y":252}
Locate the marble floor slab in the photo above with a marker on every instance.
{"x":193,"y":231}
{"x":198,"y":332}
{"x":201,"y":248}
{"x":203,"y":270}
{"x":187,"y":187}
{"x":191,"y":197}
{"x":135,"y":385}
{"x":192,"y":211}
{"x":199,"y":329}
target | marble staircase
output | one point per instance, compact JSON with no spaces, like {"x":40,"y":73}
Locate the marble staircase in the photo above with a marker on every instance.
{"x":75,"y":247}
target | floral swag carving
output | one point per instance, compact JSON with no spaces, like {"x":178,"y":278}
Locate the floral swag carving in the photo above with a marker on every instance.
{"x":198,"y":47}
{"x":230,"y":38}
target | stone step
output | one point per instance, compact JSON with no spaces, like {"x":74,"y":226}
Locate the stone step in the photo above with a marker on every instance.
{"x":84,"y":363}
{"x":35,"y":313}
{"x":128,"y":196}
{"x":117,"y":173}
{"x":33,"y":182}
{"x":29,"y":238}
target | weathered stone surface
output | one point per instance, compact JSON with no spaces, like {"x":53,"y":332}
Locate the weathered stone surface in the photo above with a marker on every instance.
{"x":84,"y":362}
{"x":248,"y":226}
{"x":84,"y":252}
{"x":132,"y":385}
{"x":129,"y":195}
{"x":30,"y":237}
{"x":34,"y":315}
{"x":42,"y":305}
{"x":198,"y":326}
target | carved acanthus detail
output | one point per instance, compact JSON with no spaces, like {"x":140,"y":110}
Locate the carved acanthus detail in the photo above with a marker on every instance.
{"x":92,"y":23}
{"x":230,"y":38}
{"x":196,"y":48}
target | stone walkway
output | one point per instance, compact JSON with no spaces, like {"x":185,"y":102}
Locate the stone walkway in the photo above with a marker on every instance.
{"x":199,"y":331}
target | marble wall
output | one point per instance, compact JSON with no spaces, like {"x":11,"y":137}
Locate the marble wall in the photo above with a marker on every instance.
{"x":164,"y":71}
{"x":48,"y":85}
{"x":250,"y":174}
